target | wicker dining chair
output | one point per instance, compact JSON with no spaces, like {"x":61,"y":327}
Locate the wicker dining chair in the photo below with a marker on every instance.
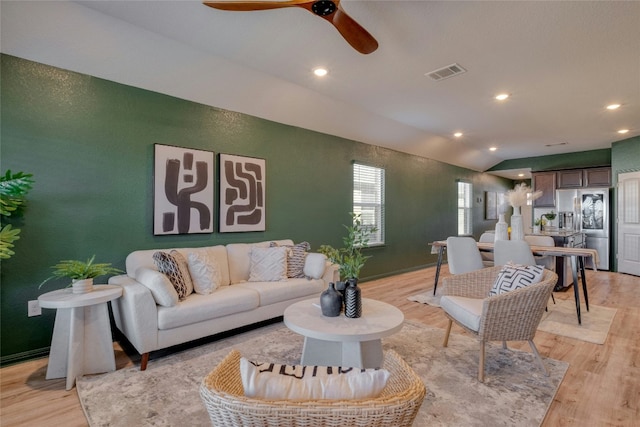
{"x":398,"y":404}
{"x":510,"y":316}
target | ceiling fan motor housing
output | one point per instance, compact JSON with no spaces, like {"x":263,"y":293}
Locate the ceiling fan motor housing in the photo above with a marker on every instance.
{"x":323,"y":7}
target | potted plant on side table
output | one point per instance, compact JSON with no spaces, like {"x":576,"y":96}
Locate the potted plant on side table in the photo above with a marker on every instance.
{"x":351,"y":260}
{"x":81,"y":273}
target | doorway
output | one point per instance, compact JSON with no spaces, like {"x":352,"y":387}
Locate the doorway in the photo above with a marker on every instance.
{"x":629,"y":223}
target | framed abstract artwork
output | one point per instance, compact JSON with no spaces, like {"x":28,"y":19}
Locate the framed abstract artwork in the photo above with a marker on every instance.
{"x":183,"y":195}
{"x":242,"y":194}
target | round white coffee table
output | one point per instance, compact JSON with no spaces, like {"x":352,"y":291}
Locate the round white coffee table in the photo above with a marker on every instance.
{"x":342,"y":341}
{"x":81,"y":342}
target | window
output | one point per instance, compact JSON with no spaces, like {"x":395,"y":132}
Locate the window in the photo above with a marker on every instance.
{"x":368,"y":199}
{"x":465,"y":191}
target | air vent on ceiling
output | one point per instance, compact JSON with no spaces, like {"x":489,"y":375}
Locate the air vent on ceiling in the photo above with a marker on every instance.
{"x":446,"y":72}
{"x":556,"y":144}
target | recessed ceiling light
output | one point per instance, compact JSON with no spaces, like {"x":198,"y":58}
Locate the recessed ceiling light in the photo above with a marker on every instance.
{"x":623,"y":131}
{"x":613,"y":106}
{"x":457,"y":134}
{"x":520,"y":175}
{"x":502,"y":96}
{"x":320,"y":72}
{"x":493,"y":148}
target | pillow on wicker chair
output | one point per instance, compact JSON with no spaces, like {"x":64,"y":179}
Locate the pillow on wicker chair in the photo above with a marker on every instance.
{"x":516,"y":276}
{"x":297,"y":382}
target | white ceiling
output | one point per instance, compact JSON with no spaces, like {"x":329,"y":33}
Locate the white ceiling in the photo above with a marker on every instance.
{"x":562,"y":62}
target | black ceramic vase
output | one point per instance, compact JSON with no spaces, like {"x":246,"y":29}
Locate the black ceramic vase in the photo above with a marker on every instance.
{"x":352,"y":299}
{"x":331,"y":301}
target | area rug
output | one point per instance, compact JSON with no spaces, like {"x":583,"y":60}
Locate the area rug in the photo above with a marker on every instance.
{"x":561,"y":319}
{"x":427,"y":298}
{"x":515,"y":391}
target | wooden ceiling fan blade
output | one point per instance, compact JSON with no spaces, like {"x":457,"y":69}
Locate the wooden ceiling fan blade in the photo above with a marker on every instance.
{"x":243,"y":6}
{"x":353,"y":33}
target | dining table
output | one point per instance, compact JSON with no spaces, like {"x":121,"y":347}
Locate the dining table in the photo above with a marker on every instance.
{"x":576,"y":256}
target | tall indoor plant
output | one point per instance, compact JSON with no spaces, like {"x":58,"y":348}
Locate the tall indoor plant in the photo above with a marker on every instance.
{"x":13,"y":189}
{"x":350,"y":260}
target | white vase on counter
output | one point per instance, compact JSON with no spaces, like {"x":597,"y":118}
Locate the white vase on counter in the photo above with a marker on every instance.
{"x":517,"y":227}
{"x":536,"y":229}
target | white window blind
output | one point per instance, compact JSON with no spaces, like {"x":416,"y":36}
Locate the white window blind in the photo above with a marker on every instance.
{"x":465,"y":192}
{"x":368,"y":199}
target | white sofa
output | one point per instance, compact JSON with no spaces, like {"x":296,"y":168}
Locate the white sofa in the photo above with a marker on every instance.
{"x":235,"y":303}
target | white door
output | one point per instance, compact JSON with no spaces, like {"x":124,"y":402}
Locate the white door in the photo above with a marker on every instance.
{"x":629,"y":223}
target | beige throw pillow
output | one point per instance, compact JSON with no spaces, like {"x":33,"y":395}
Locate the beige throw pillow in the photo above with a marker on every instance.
{"x":268,"y":264}
{"x":205,"y":272}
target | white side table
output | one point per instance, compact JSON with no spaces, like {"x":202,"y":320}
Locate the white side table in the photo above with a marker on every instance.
{"x":341,"y":341}
{"x":82,"y":342}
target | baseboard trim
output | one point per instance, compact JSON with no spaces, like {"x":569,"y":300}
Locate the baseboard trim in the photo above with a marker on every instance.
{"x":12,"y":359}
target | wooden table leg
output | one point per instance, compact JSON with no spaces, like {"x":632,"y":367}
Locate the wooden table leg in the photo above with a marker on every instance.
{"x":438,"y":265}
{"x":584,"y":281}
{"x":576,"y":291}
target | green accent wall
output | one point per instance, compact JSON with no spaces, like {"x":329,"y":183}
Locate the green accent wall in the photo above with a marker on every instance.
{"x":89,"y":144}
{"x":583,"y":159}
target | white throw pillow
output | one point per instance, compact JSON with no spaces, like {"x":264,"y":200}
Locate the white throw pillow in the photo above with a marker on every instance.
{"x":314,"y":265}
{"x":205,"y":272}
{"x":283,"y":382}
{"x":162,"y":290}
{"x":268,"y":264}
{"x":516,"y":276}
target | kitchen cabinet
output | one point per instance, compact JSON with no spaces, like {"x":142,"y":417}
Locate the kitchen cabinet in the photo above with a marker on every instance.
{"x":597,"y":177}
{"x":584,"y":178}
{"x":545,"y":182}
{"x":570,"y":178}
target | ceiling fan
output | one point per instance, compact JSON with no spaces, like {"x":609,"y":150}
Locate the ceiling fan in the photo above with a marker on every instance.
{"x":329,"y":10}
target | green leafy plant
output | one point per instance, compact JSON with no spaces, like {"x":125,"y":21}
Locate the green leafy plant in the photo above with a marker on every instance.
{"x":350,"y":257}
{"x":13,"y":189}
{"x":551,"y":215}
{"x":540,"y":221}
{"x":78,"y":270}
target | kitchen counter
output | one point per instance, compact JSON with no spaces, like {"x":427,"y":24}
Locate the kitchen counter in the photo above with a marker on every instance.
{"x":556,"y":233}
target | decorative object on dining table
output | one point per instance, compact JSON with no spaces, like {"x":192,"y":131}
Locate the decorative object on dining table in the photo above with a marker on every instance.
{"x":353,"y":299}
{"x":518,"y":197}
{"x":331,"y":301}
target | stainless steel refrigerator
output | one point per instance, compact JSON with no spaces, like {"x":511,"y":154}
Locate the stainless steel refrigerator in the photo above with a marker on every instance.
{"x":591,"y":216}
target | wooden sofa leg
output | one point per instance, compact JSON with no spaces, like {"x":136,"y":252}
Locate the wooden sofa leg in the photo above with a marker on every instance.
{"x":143,"y":361}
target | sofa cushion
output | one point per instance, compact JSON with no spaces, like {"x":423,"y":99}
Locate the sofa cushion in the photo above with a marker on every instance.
{"x":314,"y":265}
{"x":160,"y":286}
{"x":205,"y":272}
{"x":516,"y":276}
{"x":199,"y":308}
{"x":273,"y":381}
{"x":467,"y":311}
{"x":274,"y":292}
{"x":296,"y":258}
{"x":239,"y":258}
{"x":268,"y":264}
{"x":175,"y":271}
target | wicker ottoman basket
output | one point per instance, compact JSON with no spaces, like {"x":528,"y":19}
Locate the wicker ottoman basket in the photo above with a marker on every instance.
{"x":397,"y":406}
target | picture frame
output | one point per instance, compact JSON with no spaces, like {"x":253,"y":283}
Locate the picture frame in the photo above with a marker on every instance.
{"x":183,"y":190}
{"x":491,"y":205}
{"x":242,"y":194}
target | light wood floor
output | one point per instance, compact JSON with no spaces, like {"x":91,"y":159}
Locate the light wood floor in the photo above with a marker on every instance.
{"x":601,"y":387}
